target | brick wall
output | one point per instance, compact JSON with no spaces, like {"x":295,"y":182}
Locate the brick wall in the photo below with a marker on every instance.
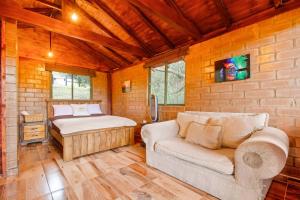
{"x":274,"y":86}
{"x":35,"y":86}
{"x":11,"y":102}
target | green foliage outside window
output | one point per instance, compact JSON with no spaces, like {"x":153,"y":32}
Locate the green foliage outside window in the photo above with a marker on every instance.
{"x":69,"y":86}
{"x":167,"y":82}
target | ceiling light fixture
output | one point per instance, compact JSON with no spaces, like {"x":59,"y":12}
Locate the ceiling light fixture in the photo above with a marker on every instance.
{"x":50,"y":52}
{"x":74,"y":17}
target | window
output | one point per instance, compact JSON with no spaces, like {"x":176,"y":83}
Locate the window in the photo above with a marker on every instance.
{"x":69,"y":86}
{"x":167,"y":82}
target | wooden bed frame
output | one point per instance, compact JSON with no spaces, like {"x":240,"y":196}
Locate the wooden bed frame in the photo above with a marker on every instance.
{"x":87,"y":142}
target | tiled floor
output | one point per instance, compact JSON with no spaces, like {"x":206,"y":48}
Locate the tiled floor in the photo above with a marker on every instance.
{"x":118,"y":175}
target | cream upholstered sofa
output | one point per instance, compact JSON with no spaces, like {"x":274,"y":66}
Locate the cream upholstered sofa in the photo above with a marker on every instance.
{"x":242,"y":173}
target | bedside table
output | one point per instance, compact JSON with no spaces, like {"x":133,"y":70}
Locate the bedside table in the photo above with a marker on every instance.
{"x":31,"y":132}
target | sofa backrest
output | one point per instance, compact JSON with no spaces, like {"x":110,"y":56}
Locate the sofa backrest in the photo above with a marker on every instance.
{"x":227,"y":114}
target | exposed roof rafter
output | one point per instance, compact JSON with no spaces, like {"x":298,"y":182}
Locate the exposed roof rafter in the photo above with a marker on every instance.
{"x":226,"y":18}
{"x":50,"y":4}
{"x":125,"y":27}
{"x":167,"y":14}
{"x":152,"y":26}
{"x":10,"y":10}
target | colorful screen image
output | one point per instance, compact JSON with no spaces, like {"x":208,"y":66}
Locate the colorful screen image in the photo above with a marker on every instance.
{"x":232,"y":69}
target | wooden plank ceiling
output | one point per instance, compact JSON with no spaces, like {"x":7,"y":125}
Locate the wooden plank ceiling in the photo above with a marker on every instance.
{"x":129,"y":31}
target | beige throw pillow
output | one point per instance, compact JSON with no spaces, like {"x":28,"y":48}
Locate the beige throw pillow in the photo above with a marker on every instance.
{"x":237,"y":129}
{"x":208,"y":136}
{"x":184,"y":119}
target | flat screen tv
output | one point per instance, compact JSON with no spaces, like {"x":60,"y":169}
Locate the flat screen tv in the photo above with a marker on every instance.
{"x":232,"y":69}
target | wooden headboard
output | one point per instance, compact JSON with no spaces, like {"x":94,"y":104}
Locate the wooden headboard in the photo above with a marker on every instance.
{"x":51,"y":102}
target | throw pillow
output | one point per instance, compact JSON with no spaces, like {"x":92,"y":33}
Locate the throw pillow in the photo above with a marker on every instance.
{"x":80,"y":110}
{"x":184,"y":119}
{"x":237,"y":129}
{"x":208,"y":136}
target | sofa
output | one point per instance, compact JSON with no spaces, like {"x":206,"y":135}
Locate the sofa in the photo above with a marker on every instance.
{"x":244,"y":172}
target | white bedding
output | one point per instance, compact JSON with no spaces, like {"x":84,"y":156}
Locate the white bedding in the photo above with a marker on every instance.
{"x":73,"y":125}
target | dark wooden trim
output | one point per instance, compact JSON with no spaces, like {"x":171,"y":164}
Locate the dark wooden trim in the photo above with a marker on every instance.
{"x":70,"y":69}
{"x":167,"y":14}
{"x":2,"y":92}
{"x":8,"y":9}
{"x":124,"y":26}
{"x":152,"y":26}
{"x":222,"y":9}
{"x":50,"y":4}
{"x":40,"y":10}
{"x":109,"y":94}
{"x":277,"y":3}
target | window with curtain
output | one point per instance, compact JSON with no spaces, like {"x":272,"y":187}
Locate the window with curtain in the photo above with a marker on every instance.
{"x":70,"y":86}
{"x":167,"y":82}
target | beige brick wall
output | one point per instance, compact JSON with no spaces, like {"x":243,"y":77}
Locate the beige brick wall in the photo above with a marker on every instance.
{"x":35,"y":86}
{"x":274,"y":86}
{"x":11,"y":96}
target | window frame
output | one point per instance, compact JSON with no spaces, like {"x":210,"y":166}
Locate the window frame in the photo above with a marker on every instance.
{"x":72,"y":89}
{"x":166,"y":65}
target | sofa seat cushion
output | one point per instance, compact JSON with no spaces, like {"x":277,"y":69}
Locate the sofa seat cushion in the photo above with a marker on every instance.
{"x":220,"y":160}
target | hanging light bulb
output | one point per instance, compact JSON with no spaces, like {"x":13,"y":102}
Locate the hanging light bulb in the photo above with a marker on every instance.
{"x":74,"y":17}
{"x":50,"y":52}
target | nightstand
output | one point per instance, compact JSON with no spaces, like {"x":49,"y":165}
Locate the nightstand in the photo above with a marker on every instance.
{"x":31,"y":132}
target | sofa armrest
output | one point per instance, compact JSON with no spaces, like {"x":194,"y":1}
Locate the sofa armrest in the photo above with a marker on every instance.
{"x":262,"y":156}
{"x":151,"y":133}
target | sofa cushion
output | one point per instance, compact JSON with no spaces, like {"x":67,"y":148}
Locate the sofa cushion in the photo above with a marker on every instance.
{"x":184,"y":119}
{"x":237,"y":129}
{"x":220,"y":160}
{"x":209,"y":136}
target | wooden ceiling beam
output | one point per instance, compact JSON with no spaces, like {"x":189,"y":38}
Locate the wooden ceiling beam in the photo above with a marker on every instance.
{"x":105,"y":59}
{"x":9,"y":10}
{"x":167,"y":14}
{"x":152,"y":26}
{"x":50,"y":4}
{"x":174,"y":5}
{"x":222,"y":9}
{"x":119,"y":56}
{"x":124,"y":26}
{"x":103,"y":28}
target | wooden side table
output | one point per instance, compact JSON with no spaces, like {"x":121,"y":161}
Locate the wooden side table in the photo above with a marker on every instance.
{"x":31,"y":132}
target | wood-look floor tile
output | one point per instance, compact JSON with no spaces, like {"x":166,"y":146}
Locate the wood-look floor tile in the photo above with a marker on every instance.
{"x":133,"y":177}
{"x":73,"y":174}
{"x":180,"y":191}
{"x":36,"y":187}
{"x":87,"y":190}
{"x":89,"y":170}
{"x":56,"y":181}
{"x":277,"y":191}
{"x":152,"y":191}
{"x":44,"y":197}
{"x":65,"y":194}
{"x":107,"y":190}
{"x":144,"y":171}
{"x":293,"y":191}
{"x":50,"y":165}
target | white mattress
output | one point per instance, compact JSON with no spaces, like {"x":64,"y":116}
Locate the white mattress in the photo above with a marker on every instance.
{"x":73,"y":125}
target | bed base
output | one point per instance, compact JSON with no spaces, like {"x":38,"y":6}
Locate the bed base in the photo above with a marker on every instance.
{"x":87,"y":142}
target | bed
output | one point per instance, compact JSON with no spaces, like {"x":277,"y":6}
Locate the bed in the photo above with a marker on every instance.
{"x":80,"y":136}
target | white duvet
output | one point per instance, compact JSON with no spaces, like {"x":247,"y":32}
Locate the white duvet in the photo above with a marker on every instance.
{"x":72,"y":125}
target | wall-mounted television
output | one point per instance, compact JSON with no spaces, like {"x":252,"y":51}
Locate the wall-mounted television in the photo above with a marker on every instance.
{"x":232,"y":69}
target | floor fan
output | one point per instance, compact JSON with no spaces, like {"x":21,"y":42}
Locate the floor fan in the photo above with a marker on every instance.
{"x":154,"y":108}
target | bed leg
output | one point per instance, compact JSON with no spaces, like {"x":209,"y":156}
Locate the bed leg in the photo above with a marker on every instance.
{"x":68,"y":149}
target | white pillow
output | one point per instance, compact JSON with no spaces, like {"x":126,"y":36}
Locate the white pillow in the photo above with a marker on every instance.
{"x":209,"y":136}
{"x":237,"y":129}
{"x":80,"y":110}
{"x":61,"y":110}
{"x":184,"y":119}
{"x":94,"y":109}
